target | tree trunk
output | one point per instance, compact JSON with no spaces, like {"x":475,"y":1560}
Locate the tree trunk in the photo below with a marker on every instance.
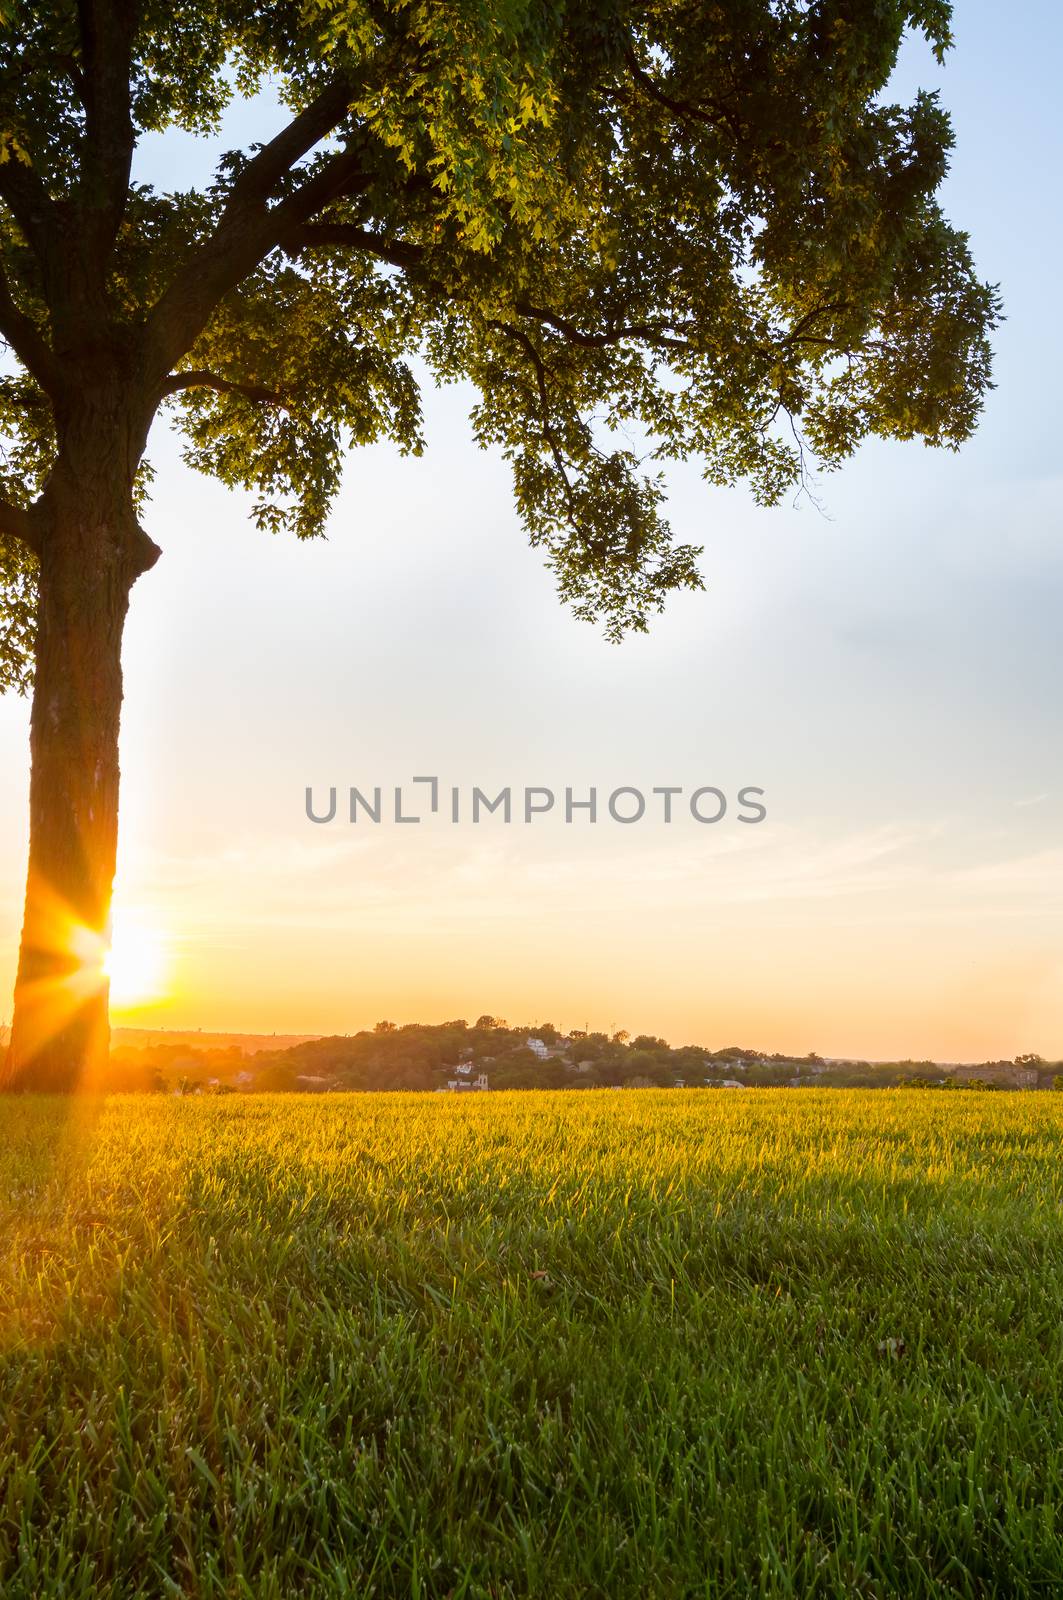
{"x":92,"y":550}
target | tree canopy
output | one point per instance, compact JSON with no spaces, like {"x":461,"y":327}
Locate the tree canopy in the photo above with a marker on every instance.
{"x":640,"y":231}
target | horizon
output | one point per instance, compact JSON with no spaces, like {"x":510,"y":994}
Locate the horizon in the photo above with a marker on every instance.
{"x":295,"y":1037}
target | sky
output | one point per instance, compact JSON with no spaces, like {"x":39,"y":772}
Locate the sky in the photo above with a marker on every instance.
{"x":885,"y":666}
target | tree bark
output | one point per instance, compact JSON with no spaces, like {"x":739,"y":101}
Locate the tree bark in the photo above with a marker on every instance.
{"x":91,"y":552}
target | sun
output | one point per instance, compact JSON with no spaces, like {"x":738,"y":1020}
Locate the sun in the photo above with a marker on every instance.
{"x":136,"y":963}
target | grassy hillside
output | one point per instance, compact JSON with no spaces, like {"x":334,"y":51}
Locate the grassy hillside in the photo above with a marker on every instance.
{"x":610,"y":1345}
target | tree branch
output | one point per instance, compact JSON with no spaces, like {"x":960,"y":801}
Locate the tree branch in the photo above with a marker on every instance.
{"x":550,"y":437}
{"x":663,"y":334}
{"x":201,"y":379}
{"x":323,"y":235}
{"x":402,"y":253}
{"x":274,"y":160}
{"x":798,"y":333}
{"x":32,"y":207}
{"x":711,"y":113}
{"x":107,"y":29}
{"x":16,"y":522}
{"x":27,"y":341}
{"x":248,"y":228}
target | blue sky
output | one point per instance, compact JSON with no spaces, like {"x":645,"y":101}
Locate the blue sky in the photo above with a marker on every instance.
{"x":887,"y":669}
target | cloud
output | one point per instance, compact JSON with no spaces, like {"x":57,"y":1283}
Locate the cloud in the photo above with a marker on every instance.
{"x":1035,"y":876}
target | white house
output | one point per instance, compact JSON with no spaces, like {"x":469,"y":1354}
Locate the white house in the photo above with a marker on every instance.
{"x":538,"y":1048}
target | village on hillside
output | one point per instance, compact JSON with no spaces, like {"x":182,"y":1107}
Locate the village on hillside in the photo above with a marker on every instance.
{"x":468,"y":1058}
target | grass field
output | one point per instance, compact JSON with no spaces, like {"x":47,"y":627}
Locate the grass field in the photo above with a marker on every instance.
{"x":785,"y":1343}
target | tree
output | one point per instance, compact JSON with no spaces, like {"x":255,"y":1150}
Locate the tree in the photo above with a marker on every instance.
{"x":276,"y":1077}
{"x":691,"y":231}
{"x":641,"y":1065}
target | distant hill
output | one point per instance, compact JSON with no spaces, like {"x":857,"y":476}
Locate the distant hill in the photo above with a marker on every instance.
{"x":198,"y":1039}
{"x":490,"y":1053}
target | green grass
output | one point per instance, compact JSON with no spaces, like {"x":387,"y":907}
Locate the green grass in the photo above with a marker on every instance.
{"x":618,"y":1345}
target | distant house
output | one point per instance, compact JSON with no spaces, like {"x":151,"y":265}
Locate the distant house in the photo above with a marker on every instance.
{"x":464,"y":1067}
{"x":456,"y":1085}
{"x":1005,"y":1074}
{"x":538,"y":1048}
{"x":679,"y":1083}
{"x":733,"y":1083}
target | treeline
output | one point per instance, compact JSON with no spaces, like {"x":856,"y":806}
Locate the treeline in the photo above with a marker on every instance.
{"x":419,"y":1056}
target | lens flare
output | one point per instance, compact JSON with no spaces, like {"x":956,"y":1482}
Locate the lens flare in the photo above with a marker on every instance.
{"x":136,"y":962}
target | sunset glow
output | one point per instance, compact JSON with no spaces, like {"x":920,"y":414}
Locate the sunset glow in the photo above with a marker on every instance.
{"x":136,"y":963}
